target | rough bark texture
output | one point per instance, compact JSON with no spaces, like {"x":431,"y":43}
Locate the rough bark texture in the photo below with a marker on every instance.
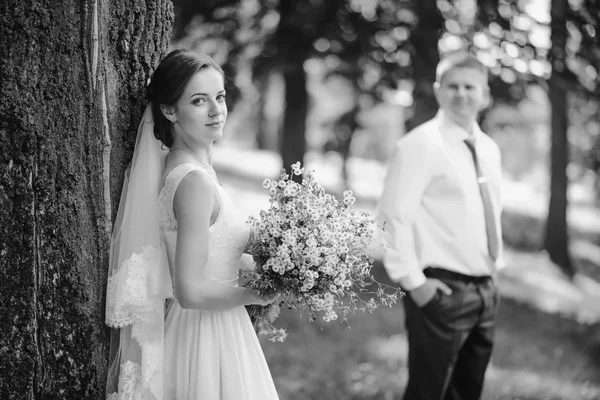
{"x":557,"y":238}
{"x":71,"y":94}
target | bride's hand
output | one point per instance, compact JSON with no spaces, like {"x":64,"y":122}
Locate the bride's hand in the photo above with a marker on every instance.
{"x":246,"y":263}
{"x":264,"y":300}
{"x":249,"y":243}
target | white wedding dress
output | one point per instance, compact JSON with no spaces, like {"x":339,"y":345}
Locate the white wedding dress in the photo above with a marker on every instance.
{"x":212,"y":355}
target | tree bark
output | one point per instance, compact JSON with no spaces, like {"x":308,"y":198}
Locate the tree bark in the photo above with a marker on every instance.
{"x":71,"y":95}
{"x":425,"y":38}
{"x":557,"y":237}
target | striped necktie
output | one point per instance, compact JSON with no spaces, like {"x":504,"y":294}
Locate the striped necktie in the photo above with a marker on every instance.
{"x":488,"y":209}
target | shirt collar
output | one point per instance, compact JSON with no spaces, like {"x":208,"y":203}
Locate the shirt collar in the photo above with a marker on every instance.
{"x":453,"y":132}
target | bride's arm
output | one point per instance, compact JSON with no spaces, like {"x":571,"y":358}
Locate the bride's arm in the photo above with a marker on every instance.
{"x":248,"y":249}
{"x":194,"y":202}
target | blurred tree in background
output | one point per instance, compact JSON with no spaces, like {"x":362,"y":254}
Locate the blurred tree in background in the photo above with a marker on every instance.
{"x":556,"y":242}
{"x":426,"y":33}
{"x":386,"y":48}
{"x":301,"y":23}
{"x":374,"y":44}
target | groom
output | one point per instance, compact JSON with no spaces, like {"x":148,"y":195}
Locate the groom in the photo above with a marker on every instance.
{"x":441,"y":207}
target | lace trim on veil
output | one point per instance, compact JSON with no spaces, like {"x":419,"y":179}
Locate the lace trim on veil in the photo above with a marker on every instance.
{"x":138,"y":294}
{"x":134,"y":299}
{"x":137,"y":383}
{"x":130,"y":380}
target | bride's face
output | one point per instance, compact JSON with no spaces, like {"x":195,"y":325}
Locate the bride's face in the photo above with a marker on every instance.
{"x":201,"y":111}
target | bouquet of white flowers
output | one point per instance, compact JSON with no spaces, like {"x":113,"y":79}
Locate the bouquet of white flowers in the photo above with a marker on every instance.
{"x":314,"y":252}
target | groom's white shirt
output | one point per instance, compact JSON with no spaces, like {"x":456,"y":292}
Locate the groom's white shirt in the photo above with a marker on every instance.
{"x":431,"y":203}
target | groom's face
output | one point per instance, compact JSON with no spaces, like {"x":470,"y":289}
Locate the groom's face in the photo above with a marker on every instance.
{"x":462,"y":93}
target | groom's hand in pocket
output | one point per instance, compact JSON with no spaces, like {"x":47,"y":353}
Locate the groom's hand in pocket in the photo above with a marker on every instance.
{"x":423,"y":294}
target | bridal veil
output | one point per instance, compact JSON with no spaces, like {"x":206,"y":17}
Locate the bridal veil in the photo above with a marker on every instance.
{"x":139,"y":279}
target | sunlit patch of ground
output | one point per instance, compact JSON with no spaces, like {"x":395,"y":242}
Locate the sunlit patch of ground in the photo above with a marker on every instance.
{"x":515,"y":384}
{"x":532,"y":278}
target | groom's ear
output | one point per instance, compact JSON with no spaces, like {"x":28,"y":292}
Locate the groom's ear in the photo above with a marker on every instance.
{"x":169,"y":113}
{"x":436,"y":91}
{"x":487,"y":98}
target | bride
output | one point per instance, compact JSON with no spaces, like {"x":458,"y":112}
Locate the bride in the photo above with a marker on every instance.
{"x":179,"y":237}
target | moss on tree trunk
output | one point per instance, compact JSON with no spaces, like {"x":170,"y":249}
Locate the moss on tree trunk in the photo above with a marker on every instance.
{"x":71,"y":95}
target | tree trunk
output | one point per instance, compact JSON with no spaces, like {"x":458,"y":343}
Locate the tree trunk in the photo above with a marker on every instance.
{"x":262,"y":134}
{"x":425,"y":60}
{"x":71,"y":95}
{"x":557,"y":240}
{"x":294,"y":43}
{"x":293,"y":139}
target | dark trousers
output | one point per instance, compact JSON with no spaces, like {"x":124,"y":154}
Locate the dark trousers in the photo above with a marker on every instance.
{"x":450,"y":338}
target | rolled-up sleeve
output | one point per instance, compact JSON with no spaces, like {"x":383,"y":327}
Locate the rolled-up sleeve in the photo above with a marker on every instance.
{"x":407,"y":177}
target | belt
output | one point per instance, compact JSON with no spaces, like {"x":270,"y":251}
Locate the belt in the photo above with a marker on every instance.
{"x":440,"y":273}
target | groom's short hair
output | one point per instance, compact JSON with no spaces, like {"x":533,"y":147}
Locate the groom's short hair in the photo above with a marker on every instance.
{"x":458,"y":59}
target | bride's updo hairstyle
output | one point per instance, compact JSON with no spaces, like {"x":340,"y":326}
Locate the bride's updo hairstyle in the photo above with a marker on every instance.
{"x":168,"y":83}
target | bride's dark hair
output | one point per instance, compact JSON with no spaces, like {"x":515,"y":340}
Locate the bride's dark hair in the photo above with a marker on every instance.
{"x":168,"y":83}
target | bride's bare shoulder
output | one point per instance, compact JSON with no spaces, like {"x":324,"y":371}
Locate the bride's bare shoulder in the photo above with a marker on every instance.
{"x":172,"y":161}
